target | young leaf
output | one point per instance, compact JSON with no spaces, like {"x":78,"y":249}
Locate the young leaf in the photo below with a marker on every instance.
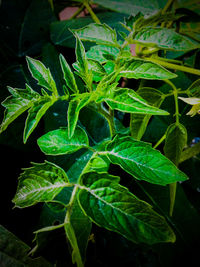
{"x":40,"y":183}
{"x":139,"y":121}
{"x":82,"y":63}
{"x":98,"y":33}
{"x":176,"y":139}
{"x":165,"y":39}
{"x":68,"y":75}
{"x":142,"y":161}
{"x":17,"y":103}
{"x":77,"y":228}
{"x":42,"y":74}
{"x":194,"y":89}
{"x":35,"y":114}
{"x":127,"y":100}
{"x":75,"y":105}
{"x":143,"y":69}
{"x":57,"y":142}
{"x":113,"y":207}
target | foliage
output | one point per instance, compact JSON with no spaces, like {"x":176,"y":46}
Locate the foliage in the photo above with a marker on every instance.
{"x":96,"y":107}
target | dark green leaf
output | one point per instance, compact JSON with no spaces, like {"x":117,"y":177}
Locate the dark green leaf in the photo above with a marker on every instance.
{"x":176,"y":139}
{"x":40,"y":183}
{"x":138,"y":68}
{"x":142,"y":161}
{"x":14,"y":252}
{"x":127,"y":100}
{"x":129,"y":7}
{"x":139,"y":121}
{"x":165,"y":39}
{"x":113,"y":207}
{"x":57,"y":142}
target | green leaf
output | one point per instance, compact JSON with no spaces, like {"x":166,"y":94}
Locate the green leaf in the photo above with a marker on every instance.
{"x":57,"y":142}
{"x":143,"y":69}
{"x":129,"y":7}
{"x":82,"y":63}
{"x":75,"y":105}
{"x":113,"y":207}
{"x":194,"y":89}
{"x":19,"y":101}
{"x":139,"y":121}
{"x":14,"y":252}
{"x":77,"y":228}
{"x":127,"y":100}
{"x":40,"y":183}
{"x":35,"y":114}
{"x":102,"y":52}
{"x":165,"y":39}
{"x":176,"y":139}
{"x":98,"y":33}
{"x":142,"y":161}
{"x":68,"y":75}
{"x":42,"y":74}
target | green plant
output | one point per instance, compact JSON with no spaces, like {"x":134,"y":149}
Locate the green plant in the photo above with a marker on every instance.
{"x":88,"y":192}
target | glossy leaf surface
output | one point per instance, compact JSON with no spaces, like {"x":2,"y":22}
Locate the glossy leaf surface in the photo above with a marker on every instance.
{"x":127,"y":100}
{"x":142,"y":69}
{"x":142,"y":161}
{"x":165,"y":39}
{"x":98,"y":33}
{"x":113,"y":207}
{"x":41,"y":74}
{"x":57,"y":142}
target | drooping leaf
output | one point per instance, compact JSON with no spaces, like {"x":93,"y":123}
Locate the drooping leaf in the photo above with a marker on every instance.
{"x":165,"y":39}
{"x":142,"y":161}
{"x":17,"y":103}
{"x":57,"y":142}
{"x":143,"y":69}
{"x":68,"y":75}
{"x":35,"y":114}
{"x":39,"y":183}
{"x":42,"y":74}
{"x":77,"y":228}
{"x":98,"y":33}
{"x":75,"y":105}
{"x":194,"y":89}
{"x":113,"y":207}
{"x":176,"y":139}
{"x":127,"y":100}
{"x":139,"y":121}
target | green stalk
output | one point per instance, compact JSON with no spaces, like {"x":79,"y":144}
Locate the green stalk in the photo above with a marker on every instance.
{"x":77,"y":12}
{"x":159,"y":141}
{"x":174,"y":66}
{"x":172,"y":187}
{"x":93,"y":15}
{"x":109,"y":116}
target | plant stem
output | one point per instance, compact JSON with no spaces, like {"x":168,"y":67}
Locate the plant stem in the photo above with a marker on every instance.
{"x":77,"y":12}
{"x":172,"y":193}
{"x":109,"y":116}
{"x":166,"y":7}
{"x":93,"y":15}
{"x":159,"y":141}
{"x":174,"y":66}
